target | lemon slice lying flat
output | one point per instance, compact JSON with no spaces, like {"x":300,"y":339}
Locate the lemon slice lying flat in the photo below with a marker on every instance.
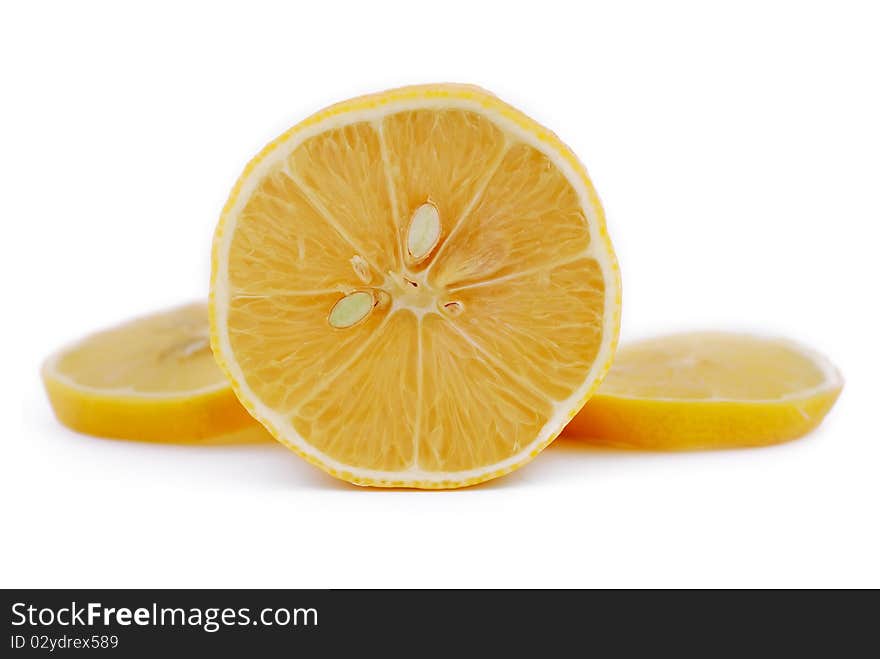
{"x":153,"y":378}
{"x":415,"y":288}
{"x":709,"y":390}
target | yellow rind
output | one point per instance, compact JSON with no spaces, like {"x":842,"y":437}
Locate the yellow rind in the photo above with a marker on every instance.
{"x":656,"y":423}
{"x":670,"y":425}
{"x":211,"y":416}
{"x":451,"y":91}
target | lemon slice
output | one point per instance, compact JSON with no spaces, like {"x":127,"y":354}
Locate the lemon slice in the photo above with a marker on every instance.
{"x":709,"y":390}
{"x":415,"y":288}
{"x":153,"y":379}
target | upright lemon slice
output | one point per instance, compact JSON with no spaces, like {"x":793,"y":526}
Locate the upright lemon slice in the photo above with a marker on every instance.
{"x":415,"y":288}
{"x":153,"y":379}
{"x":709,"y":390}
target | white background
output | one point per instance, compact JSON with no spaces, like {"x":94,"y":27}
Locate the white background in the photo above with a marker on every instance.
{"x":736,"y":148}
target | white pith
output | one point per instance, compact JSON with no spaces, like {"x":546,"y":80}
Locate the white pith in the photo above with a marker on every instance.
{"x":281,"y":427}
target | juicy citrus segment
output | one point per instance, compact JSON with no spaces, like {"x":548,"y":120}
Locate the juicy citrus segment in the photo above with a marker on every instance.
{"x":292,"y":241}
{"x":507,"y":230}
{"x":551,"y":314}
{"x":464,"y":388}
{"x":337,"y":170}
{"x":153,"y":378}
{"x":709,"y":390}
{"x":287,"y":345}
{"x":366,"y":414}
{"x":449,"y":178}
{"x":465,"y":306}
